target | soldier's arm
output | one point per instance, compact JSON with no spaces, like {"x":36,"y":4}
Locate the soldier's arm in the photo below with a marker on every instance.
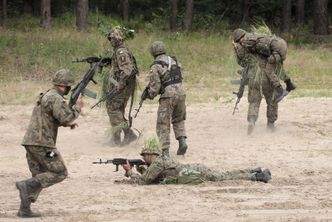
{"x":125,"y":64}
{"x":63,"y":113}
{"x":154,"y":81}
{"x":149,"y":175}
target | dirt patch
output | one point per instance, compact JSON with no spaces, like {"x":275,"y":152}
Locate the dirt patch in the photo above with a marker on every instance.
{"x":298,"y":153}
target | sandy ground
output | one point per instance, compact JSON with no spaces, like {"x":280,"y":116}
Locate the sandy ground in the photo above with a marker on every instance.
{"x":299,"y":155}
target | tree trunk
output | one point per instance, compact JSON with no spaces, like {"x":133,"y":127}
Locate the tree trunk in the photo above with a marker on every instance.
{"x":125,"y":10}
{"x":4,"y":14}
{"x":286,"y":15}
{"x":300,"y":12}
{"x":188,"y":17}
{"x":82,"y":11}
{"x":246,"y":11}
{"x":45,"y":13}
{"x":174,"y":10}
{"x":27,"y":8}
{"x":321,"y":22}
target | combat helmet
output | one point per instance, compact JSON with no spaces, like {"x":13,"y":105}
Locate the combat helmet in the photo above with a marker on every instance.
{"x":115,"y":34}
{"x":63,"y":77}
{"x":157,"y":48}
{"x":151,"y":146}
{"x":238,"y":34}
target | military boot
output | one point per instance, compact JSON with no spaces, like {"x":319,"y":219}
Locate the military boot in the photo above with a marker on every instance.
{"x":270,"y":126}
{"x":280,"y":93}
{"x":251,"y":125}
{"x":289,"y":85}
{"x":182,"y":146}
{"x":24,"y":188}
{"x":263,"y":176}
{"x":116,"y":139}
{"x":128,"y":137}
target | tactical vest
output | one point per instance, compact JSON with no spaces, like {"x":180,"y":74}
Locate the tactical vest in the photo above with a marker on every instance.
{"x":174,"y":71}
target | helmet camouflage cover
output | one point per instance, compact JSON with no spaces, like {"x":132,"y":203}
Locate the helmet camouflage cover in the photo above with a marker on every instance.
{"x":115,"y":34}
{"x":151,"y":146}
{"x":63,"y":77}
{"x":238,"y":34}
{"x":157,"y":48}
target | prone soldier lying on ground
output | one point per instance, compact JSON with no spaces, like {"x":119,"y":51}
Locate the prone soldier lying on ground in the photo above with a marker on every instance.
{"x":165,"y":170}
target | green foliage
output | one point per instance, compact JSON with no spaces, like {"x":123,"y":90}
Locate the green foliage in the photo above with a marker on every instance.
{"x":152,"y":143}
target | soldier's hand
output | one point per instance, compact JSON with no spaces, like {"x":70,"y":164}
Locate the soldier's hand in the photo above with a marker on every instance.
{"x":120,"y":86}
{"x":140,"y":169}
{"x":73,"y":125}
{"x":80,"y":102}
{"x":126,"y":166}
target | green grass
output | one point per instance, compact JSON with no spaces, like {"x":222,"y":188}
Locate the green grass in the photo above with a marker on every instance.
{"x":29,"y":56}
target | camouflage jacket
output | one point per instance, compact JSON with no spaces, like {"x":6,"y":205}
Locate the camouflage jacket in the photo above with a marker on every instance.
{"x":50,"y":112}
{"x":161,"y":168}
{"x":122,"y":64}
{"x":159,"y":75}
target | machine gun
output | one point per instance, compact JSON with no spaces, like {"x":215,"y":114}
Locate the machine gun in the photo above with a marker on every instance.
{"x":144,"y":95}
{"x":243,"y":82}
{"x":121,"y":161}
{"x":94,"y":59}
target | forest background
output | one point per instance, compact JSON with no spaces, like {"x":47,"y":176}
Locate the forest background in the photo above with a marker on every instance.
{"x":38,"y":37}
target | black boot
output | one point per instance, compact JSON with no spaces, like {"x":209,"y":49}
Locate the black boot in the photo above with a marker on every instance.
{"x":25,"y":187}
{"x":129,"y":137}
{"x":289,"y":85}
{"x":280,"y":93}
{"x":251,"y":125}
{"x":263,"y":176}
{"x":182,"y":146}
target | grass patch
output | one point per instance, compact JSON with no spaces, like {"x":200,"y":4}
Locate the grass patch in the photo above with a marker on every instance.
{"x":29,"y":56}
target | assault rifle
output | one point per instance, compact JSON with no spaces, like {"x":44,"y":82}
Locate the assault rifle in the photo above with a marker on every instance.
{"x":144,"y":95}
{"x":121,"y":161}
{"x":110,"y":94}
{"x":243,"y":82}
{"x":80,"y":88}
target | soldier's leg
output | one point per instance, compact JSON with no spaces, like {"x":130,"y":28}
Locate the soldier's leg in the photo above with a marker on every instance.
{"x":272,"y":106}
{"x":35,"y":168}
{"x":270,"y":72}
{"x":54,"y":167}
{"x":115,"y":110}
{"x":254,"y":99}
{"x":214,"y":175}
{"x":163,"y":124}
{"x":48,"y":168}
{"x":178,"y":121}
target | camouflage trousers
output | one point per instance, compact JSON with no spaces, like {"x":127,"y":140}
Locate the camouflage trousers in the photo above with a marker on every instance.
{"x":171,"y":110}
{"x":207,"y":174}
{"x":257,"y":88}
{"x":116,"y":111}
{"x":46,"y":165}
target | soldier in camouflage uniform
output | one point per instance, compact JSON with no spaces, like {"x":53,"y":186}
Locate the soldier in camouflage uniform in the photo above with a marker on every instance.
{"x":272,"y":49}
{"x":45,"y":162}
{"x":166,"y":80}
{"x":163,"y":169}
{"x":124,"y":71}
{"x":259,"y":81}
